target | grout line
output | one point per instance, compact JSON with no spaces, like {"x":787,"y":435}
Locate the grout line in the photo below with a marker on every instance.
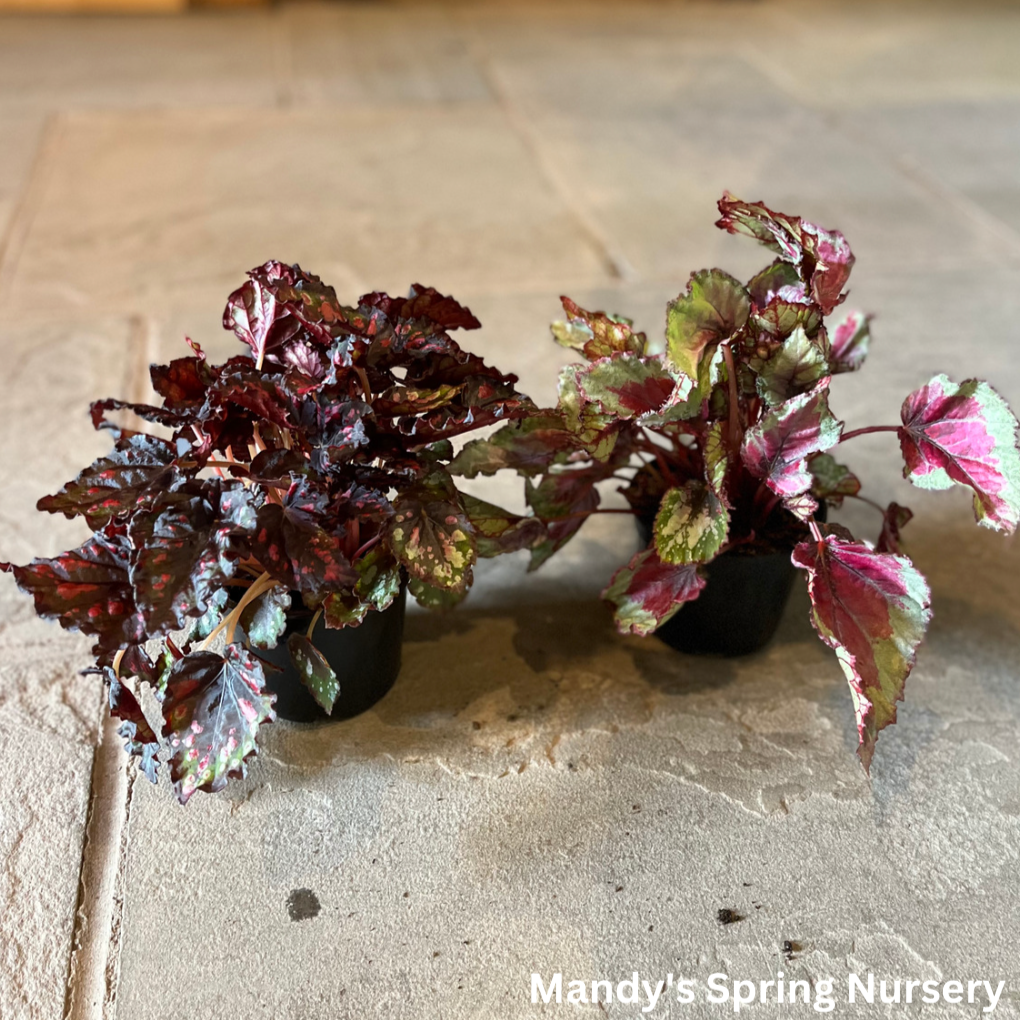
{"x":29,"y":202}
{"x":615,"y":263}
{"x":95,"y":944}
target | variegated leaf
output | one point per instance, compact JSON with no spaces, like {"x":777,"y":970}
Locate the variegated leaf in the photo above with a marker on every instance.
{"x":212,"y":713}
{"x":596,"y":334}
{"x":872,"y":609}
{"x":831,"y":480}
{"x":777,"y":448}
{"x":793,"y":367}
{"x":315,"y":672}
{"x":714,"y":307}
{"x":691,"y":525}
{"x":964,"y":435}
{"x":647,"y":592}
{"x":848,"y":343}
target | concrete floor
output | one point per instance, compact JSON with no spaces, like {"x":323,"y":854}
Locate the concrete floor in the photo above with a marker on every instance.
{"x":536,"y":794}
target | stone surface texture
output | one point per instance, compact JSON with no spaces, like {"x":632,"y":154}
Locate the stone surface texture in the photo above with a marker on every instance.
{"x":536,"y":793}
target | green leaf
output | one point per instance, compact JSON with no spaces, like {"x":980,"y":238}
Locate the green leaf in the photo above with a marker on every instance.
{"x":431,"y":535}
{"x":832,"y":480}
{"x":716,"y":458}
{"x":219,"y":606}
{"x":265,"y":619}
{"x":315,"y":672}
{"x":528,"y":447}
{"x":689,"y":395}
{"x":691,"y":525}
{"x":714,"y":307}
{"x":499,"y":531}
{"x":793,"y":367}
{"x":378,"y":585}
{"x":430,"y":597}
{"x":872,"y":609}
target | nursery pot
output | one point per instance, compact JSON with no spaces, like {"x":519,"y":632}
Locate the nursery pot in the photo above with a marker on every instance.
{"x":366,"y":660}
{"x":740,"y":606}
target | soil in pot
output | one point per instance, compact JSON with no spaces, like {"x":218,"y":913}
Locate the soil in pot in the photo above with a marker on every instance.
{"x":739,"y":609}
{"x":366,"y":660}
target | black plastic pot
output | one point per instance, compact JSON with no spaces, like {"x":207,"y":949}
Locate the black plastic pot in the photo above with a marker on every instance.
{"x":366,"y":660}
{"x":739,"y":608}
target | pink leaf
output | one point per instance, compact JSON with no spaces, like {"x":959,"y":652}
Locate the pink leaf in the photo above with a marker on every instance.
{"x":965,"y":435}
{"x":872,"y":608}
{"x":777,"y":448}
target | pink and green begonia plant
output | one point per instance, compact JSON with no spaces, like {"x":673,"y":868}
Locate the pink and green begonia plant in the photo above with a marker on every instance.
{"x":727,"y":430}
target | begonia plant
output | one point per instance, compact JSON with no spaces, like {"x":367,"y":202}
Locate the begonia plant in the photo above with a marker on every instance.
{"x":727,"y":431}
{"x":307,"y":474}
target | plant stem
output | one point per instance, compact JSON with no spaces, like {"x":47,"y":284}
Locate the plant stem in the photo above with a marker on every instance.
{"x":264,"y":583}
{"x":816,"y":531}
{"x":869,"y":429}
{"x":731,"y":372}
{"x":117,"y":660}
{"x":870,"y":502}
{"x":315,"y":620}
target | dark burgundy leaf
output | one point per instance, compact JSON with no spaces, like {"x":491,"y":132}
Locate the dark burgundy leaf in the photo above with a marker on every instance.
{"x":212,"y":713}
{"x":115,"y":485}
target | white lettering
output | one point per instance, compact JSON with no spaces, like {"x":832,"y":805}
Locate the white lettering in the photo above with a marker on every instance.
{"x":555,"y":988}
{"x":717,"y":983}
{"x":868,"y":994}
{"x":993,"y":997}
{"x":632,"y":995}
{"x":952,"y":991}
{"x":685,"y":991}
{"x":653,"y":995}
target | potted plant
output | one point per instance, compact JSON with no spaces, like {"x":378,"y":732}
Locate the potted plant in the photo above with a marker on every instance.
{"x":722,"y":438}
{"x":292,"y":495}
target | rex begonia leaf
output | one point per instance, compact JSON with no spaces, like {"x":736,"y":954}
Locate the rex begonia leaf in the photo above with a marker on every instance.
{"x":691,"y":525}
{"x":780,"y":317}
{"x":315,"y":672}
{"x":872,"y":609}
{"x":377,"y":586}
{"x":86,"y":589}
{"x":781,"y":280}
{"x":647,"y":592}
{"x":793,"y":367}
{"x":293,"y":544}
{"x":528,"y":447}
{"x":964,"y":435}
{"x":562,"y":500}
{"x":499,"y":531}
{"x":423,"y":303}
{"x":713,"y":308}
{"x":131,"y":475}
{"x":264,"y":619}
{"x":186,"y":550}
{"x":894,"y":519}
{"x":281,"y":307}
{"x":428,"y":596}
{"x":212,"y":712}
{"x":625,"y":385}
{"x":595,"y":431}
{"x":823,"y":257}
{"x":716,"y":456}
{"x":431,"y":535}
{"x":831,"y":480}
{"x":688,"y":398}
{"x":596,"y":334}
{"x":183,"y":383}
{"x":848,"y":342}
{"x":139,"y":738}
{"x":217,"y":606}
{"x":777,"y":448}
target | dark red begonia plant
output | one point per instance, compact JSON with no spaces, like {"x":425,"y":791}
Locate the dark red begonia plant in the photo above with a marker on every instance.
{"x":313,"y":466}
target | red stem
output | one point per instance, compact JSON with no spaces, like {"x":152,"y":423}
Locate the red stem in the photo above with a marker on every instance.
{"x":869,"y":429}
{"x":731,"y":371}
